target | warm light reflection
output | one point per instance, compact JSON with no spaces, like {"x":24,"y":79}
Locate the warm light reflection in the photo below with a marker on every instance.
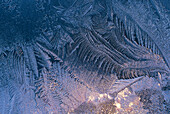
{"x":91,"y":98}
{"x":130,"y":104}
{"x":109,"y":97}
{"x":118,"y":105}
{"x":98,"y":98}
{"x":125,"y":102}
{"x":124,"y":93}
{"x":101,"y":95}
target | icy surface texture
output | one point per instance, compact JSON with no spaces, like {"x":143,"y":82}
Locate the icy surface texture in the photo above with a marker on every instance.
{"x":84,"y":56}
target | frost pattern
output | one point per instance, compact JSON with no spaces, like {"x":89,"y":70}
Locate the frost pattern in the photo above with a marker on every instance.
{"x":84,"y":56}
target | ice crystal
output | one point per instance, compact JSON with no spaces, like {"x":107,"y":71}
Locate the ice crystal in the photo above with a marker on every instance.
{"x":84,"y":56}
